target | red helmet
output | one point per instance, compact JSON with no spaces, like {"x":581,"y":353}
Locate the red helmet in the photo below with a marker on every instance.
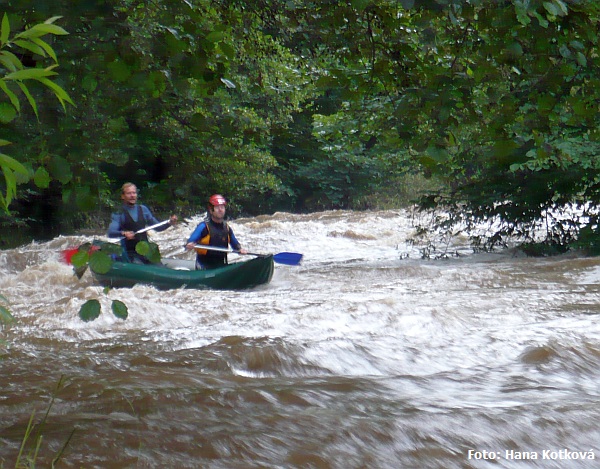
{"x":217,"y":199}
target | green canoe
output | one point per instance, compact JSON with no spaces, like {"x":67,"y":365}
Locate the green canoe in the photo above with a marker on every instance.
{"x":176,"y":273}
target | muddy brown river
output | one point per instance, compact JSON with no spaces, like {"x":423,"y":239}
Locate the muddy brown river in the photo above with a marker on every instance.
{"x":364,"y":356}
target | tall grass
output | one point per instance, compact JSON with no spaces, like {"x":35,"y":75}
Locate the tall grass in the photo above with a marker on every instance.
{"x":33,"y":438}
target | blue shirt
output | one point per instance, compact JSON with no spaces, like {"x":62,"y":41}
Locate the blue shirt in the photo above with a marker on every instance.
{"x":114,"y":229}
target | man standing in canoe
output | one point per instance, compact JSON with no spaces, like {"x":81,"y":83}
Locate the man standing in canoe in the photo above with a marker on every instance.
{"x":214,"y":231}
{"x":133,"y":217}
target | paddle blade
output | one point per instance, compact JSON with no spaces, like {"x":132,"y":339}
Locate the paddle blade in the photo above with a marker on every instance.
{"x":67,"y":254}
{"x":288,"y":258}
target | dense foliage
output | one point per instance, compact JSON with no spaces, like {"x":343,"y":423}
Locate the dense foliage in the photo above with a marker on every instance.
{"x":302,"y":105}
{"x":15,"y":77}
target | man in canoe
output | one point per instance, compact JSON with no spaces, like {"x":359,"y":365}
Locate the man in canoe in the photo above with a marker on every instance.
{"x":215,"y":232}
{"x":132,"y":218}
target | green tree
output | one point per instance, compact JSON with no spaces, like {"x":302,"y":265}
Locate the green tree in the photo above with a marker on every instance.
{"x":14,"y":84}
{"x":182,"y":98}
{"x":15,"y":78}
{"x":497,"y":99}
{"x":316,"y":104}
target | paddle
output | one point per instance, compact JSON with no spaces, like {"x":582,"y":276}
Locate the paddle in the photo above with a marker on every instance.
{"x":287,"y":258}
{"x":67,"y":254}
{"x":148,"y":228}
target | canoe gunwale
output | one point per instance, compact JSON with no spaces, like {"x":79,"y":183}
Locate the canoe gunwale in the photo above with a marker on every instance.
{"x":235,"y":276}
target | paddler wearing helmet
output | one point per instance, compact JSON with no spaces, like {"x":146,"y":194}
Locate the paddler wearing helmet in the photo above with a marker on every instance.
{"x":213,"y":231}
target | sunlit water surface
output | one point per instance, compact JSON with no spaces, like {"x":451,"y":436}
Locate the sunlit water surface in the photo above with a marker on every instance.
{"x":364,"y":356}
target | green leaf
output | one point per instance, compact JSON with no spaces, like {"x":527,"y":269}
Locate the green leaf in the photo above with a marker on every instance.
{"x":142,"y":248}
{"x":149,"y":250}
{"x":565,"y":51}
{"x":228,"y":83}
{"x":360,"y":5}
{"x":10,"y":61}
{"x":437,"y":154}
{"x":4,"y":30}
{"x":228,"y":50}
{"x":30,"y":46}
{"x":551,"y":8}
{"x":119,"y":70}
{"x":30,"y":98}
{"x":117,"y":125}
{"x":13,"y":164}
{"x":543,"y":21}
{"x":58,"y":91}
{"x":80,"y":258}
{"x":100,"y":262}
{"x":90,"y":310}
{"x":85,"y":200}
{"x":60,"y":169}
{"x":41,"y":178}
{"x":156,"y":83}
{"x":5,"y":316}
{"x":30,"y":73}
{"x":112,"y":248}
{"x":39,"y":30}
{"x":563,"y":7}
{"x":7,"y":113}
{"x":12,"y":96}
{"x":89,"y":83}
{"x":200,"y":122}
{"x":46,"y":47}
{"x":515,"y":49}
{"x":173,"y":42}
{"x":11,"y":184}
{"x":52,"y":19}
{"x":66,"y":195}
{"x":522,"y":16}
{"x":120,"y":309}
{"x":215,"y":36}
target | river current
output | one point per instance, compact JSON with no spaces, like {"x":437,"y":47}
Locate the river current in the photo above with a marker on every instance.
{"x":364,"y":356}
